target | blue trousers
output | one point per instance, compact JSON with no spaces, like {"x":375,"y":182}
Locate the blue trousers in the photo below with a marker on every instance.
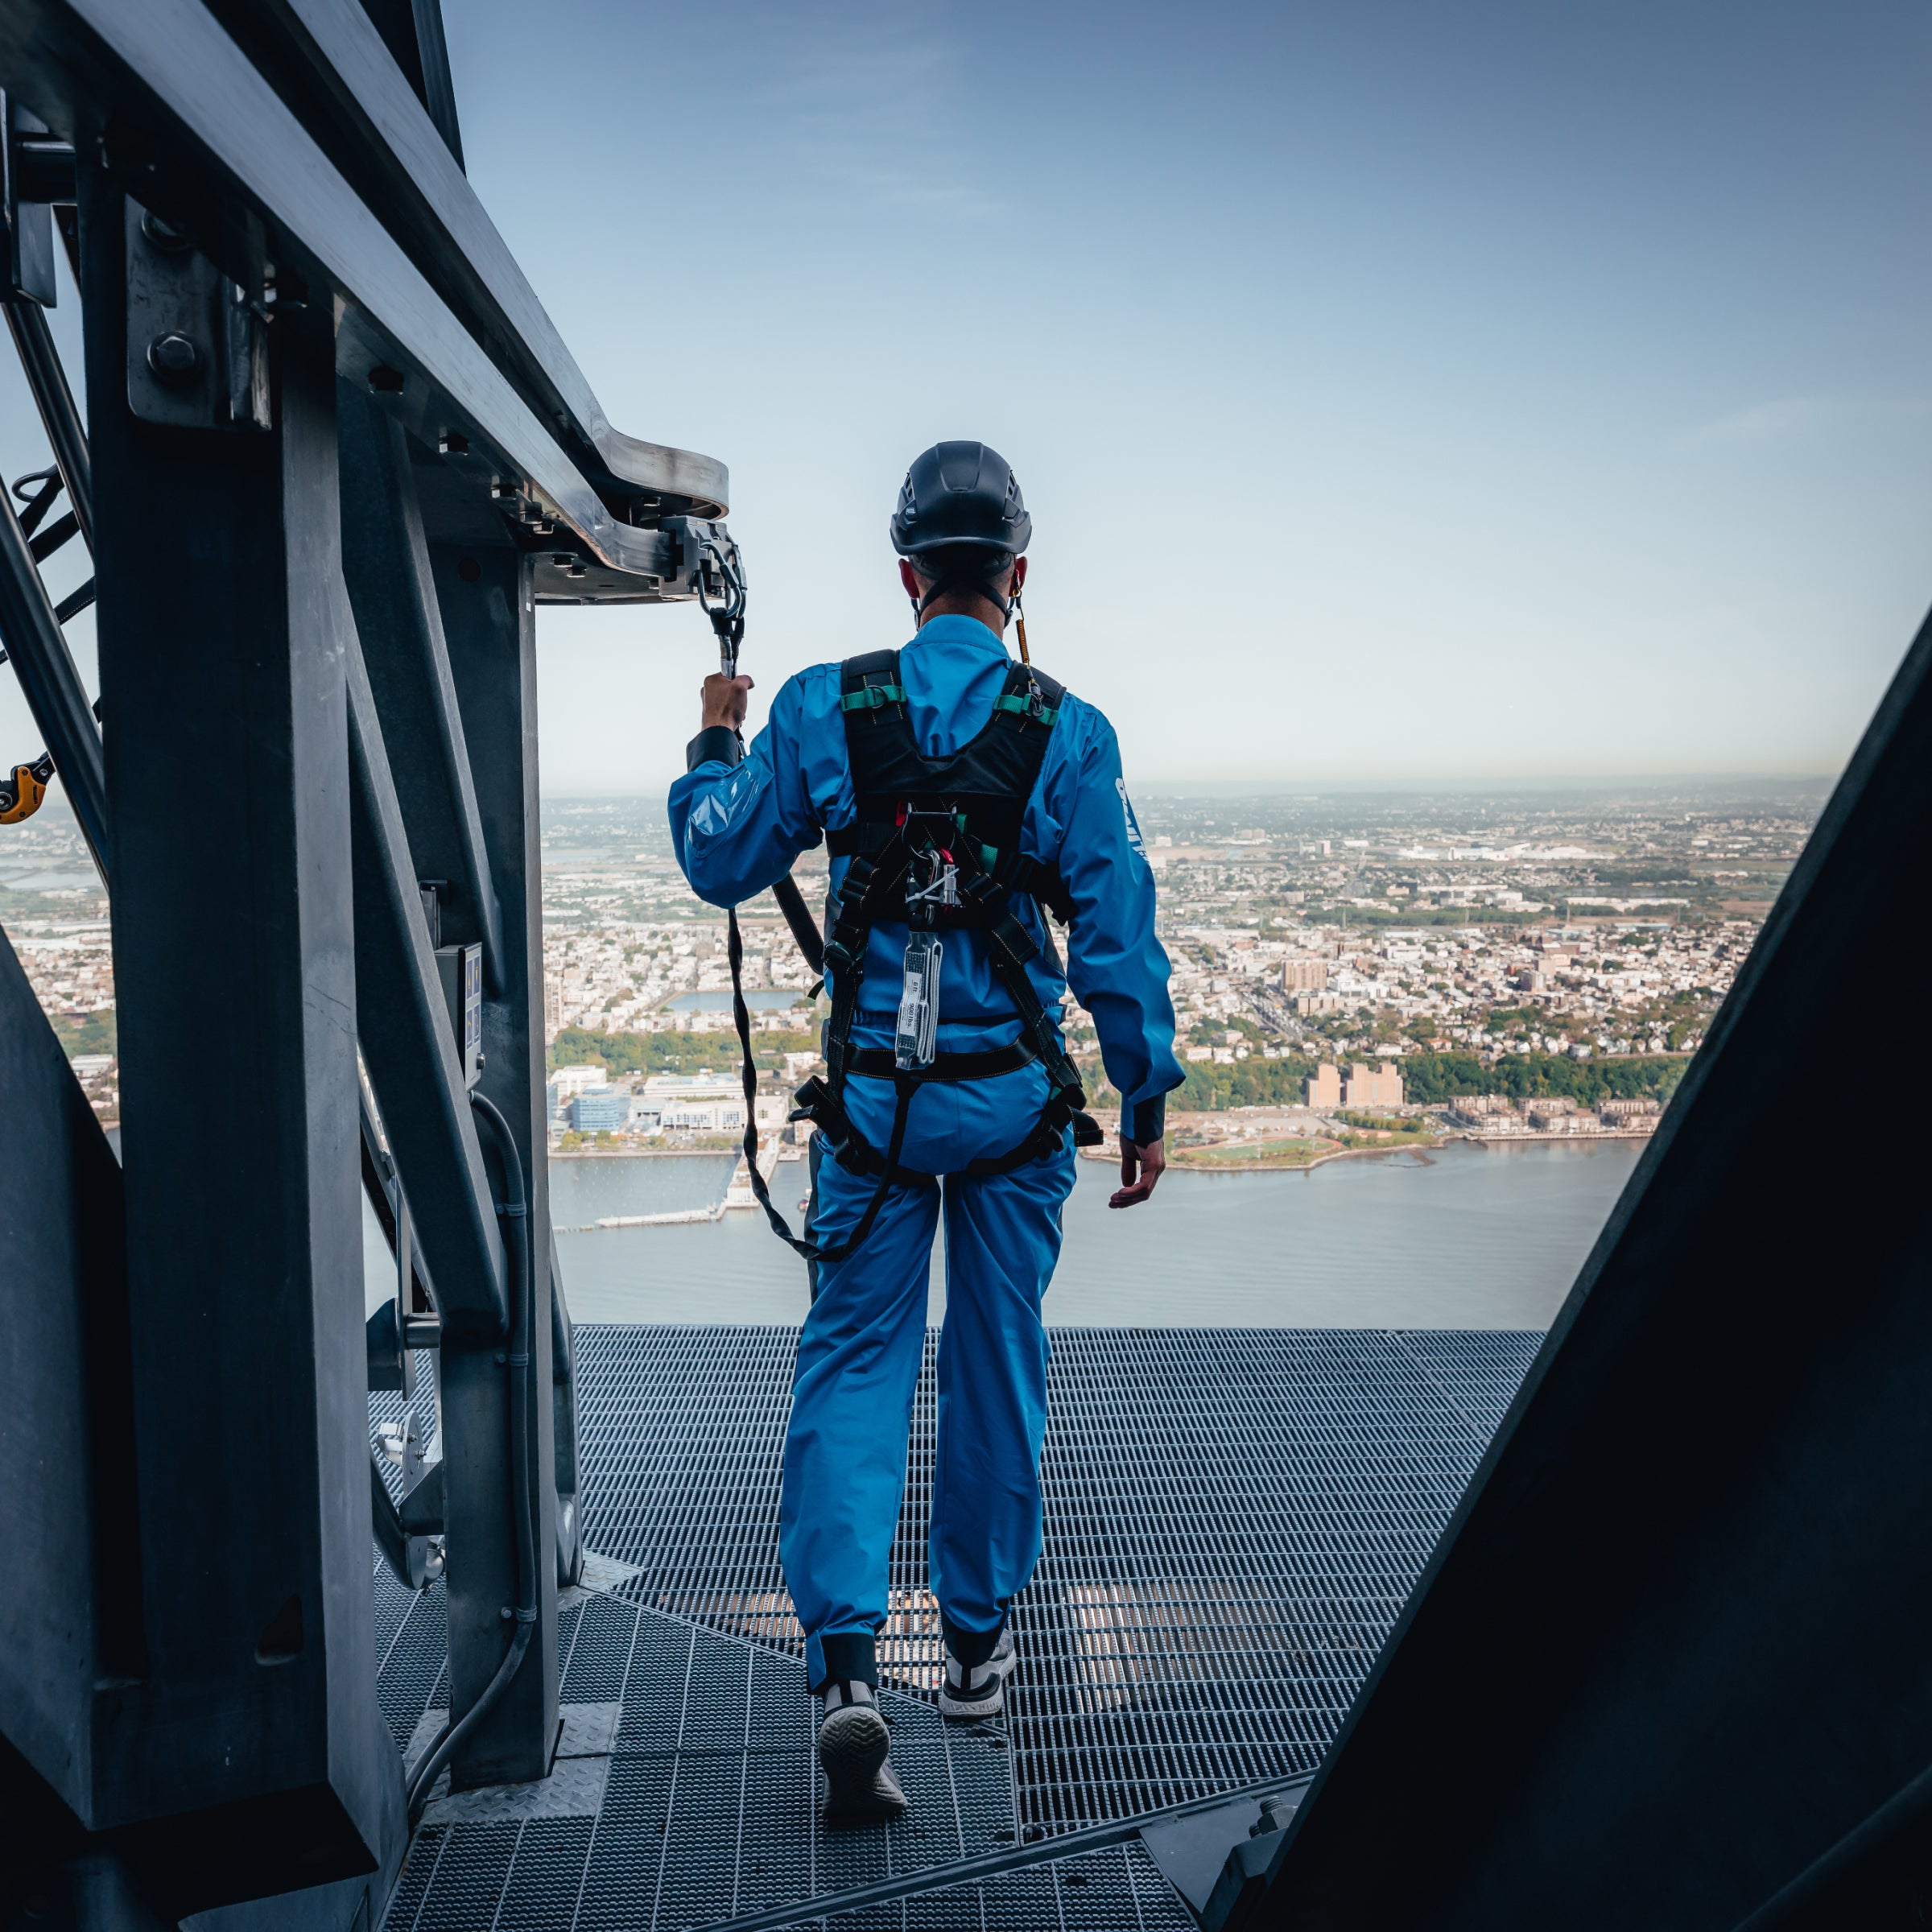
{"x":859,"y":1355}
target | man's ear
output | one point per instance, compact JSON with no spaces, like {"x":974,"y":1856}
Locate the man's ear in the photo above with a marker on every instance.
{"x":1019,"y":575}
{"x":909,"y":578}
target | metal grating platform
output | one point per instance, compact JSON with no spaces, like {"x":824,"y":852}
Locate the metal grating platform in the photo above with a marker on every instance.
{"x":1234,"y":1518}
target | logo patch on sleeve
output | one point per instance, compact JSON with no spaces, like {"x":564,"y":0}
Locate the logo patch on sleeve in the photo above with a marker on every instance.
{"x":1133,"y":831}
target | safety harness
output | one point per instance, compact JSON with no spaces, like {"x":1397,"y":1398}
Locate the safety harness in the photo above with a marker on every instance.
{"x":937,"y":839}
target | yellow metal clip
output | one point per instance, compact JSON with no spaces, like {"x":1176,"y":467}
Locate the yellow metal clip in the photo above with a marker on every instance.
{"x":21,"y":794}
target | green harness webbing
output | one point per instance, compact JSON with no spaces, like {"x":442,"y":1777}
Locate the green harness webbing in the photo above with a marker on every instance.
{"x":880,"y":857}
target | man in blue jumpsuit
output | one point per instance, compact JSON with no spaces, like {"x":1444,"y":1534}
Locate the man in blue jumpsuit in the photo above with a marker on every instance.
{"x":960,"y":528}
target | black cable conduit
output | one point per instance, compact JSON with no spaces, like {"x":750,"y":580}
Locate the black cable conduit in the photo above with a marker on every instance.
{"x":514,"y":1213}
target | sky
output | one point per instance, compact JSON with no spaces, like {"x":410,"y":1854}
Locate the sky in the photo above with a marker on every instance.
{"x":1401,"y":392}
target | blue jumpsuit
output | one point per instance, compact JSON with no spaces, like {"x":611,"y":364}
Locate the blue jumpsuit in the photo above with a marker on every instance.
{"x":737,"y":831}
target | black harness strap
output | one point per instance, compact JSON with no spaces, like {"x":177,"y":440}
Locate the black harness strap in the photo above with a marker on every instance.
{"x":880,"y":1064}
{"x":970,"y":805}
{"x":1035,"y":878}
{"x":810,"y":1250}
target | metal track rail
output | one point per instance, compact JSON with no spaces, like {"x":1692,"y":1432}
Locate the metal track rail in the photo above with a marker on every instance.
{"x":219,"y":131}
{"x":996,"y":1864}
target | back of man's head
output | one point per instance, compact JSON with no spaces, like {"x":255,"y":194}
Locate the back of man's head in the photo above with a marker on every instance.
{"x":964,"y":567}
{"x":961,"y":522}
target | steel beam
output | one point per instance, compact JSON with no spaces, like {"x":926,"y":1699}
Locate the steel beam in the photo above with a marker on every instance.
{"x":488,"y":614}
{"x":330,"y":65}
{"x":207,"y":128}
{"x":51,"y":686}
{"x":1669,"y":1665}
{"x":48,"y":380}
{"x":409,"y":1044}
{"x":251,"y":1753}
{"x":412,"y":31}
{"x":70,"y":1584}
{"x":385,"y":560}
{"x":94,"y":1892}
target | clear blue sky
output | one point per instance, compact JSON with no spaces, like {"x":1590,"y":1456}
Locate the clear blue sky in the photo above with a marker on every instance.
{"x":1400,"y":391}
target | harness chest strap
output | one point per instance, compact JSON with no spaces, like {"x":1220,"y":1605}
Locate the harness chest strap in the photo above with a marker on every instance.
{"x":978,"y":793}
{"x":1035,"y":878}
{"x":892,"y":782}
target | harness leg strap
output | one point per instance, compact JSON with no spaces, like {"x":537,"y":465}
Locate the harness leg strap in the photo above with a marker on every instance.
{"x":809,"y":1249}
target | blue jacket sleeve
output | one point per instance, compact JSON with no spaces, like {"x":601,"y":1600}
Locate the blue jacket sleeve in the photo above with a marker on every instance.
{"x":1116,"y":964}
{"x":737,"y":828}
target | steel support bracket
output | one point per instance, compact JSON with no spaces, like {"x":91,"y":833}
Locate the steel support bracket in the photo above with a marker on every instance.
{"x":197,"y":349}
{"x":1218,"y":1859}
{"x":29,"y":220}
{"x":421,"y":1509}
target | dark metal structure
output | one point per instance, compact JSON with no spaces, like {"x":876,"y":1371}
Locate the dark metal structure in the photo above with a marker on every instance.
{"x":333,"y":456}
{"x":1672,"y":1664}
{"x":1668,"y":1666}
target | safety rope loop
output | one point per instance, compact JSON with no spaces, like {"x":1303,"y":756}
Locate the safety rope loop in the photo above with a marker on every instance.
{"x":824,"y":1107}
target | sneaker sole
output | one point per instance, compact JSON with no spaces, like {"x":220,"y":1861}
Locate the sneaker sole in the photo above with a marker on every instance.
{"x":964,"y":1708}
{"x":853,"y":1745}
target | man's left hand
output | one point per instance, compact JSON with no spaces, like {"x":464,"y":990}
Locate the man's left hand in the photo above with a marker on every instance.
{"x":1150,"y":1158}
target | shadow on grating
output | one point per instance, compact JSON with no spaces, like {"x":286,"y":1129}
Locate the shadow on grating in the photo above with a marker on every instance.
{"x":1233,"y":1519}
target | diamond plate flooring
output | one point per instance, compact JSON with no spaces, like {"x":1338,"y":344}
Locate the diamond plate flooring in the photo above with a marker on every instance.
{"x":1233,"y":1519}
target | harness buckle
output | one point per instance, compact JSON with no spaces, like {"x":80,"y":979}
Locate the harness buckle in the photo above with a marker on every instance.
{"x":1030,"y":705}
{"x":872,"y":697}
{"x":942,"y":885}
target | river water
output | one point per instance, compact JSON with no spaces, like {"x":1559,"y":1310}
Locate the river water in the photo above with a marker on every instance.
{"x":1468,"y":1236}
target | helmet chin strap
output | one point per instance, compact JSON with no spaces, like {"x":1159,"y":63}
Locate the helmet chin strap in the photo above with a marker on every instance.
{"x":976,"y":587}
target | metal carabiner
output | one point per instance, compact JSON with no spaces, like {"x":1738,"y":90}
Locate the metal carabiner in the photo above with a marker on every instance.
{"x":718,"y":582}
{"x":942,"y":885}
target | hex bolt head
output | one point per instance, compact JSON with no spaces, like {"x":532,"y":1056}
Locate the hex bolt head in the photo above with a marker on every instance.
{"x":174,"y":358}
{"x":164,"y":235}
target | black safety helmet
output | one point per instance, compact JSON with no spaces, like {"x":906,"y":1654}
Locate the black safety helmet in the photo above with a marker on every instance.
{"x":961,"y":497}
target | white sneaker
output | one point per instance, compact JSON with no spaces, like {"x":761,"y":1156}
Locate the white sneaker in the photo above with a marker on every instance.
{"x":978,"y":1689}
{"x":854,"y":1746}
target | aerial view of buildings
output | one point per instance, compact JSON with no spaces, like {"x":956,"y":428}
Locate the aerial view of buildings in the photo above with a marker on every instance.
{"x":1463,"y":957}
{"x":1507,"y":964}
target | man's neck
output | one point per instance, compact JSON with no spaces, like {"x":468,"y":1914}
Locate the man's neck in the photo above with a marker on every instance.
{"x":982,"y":610}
